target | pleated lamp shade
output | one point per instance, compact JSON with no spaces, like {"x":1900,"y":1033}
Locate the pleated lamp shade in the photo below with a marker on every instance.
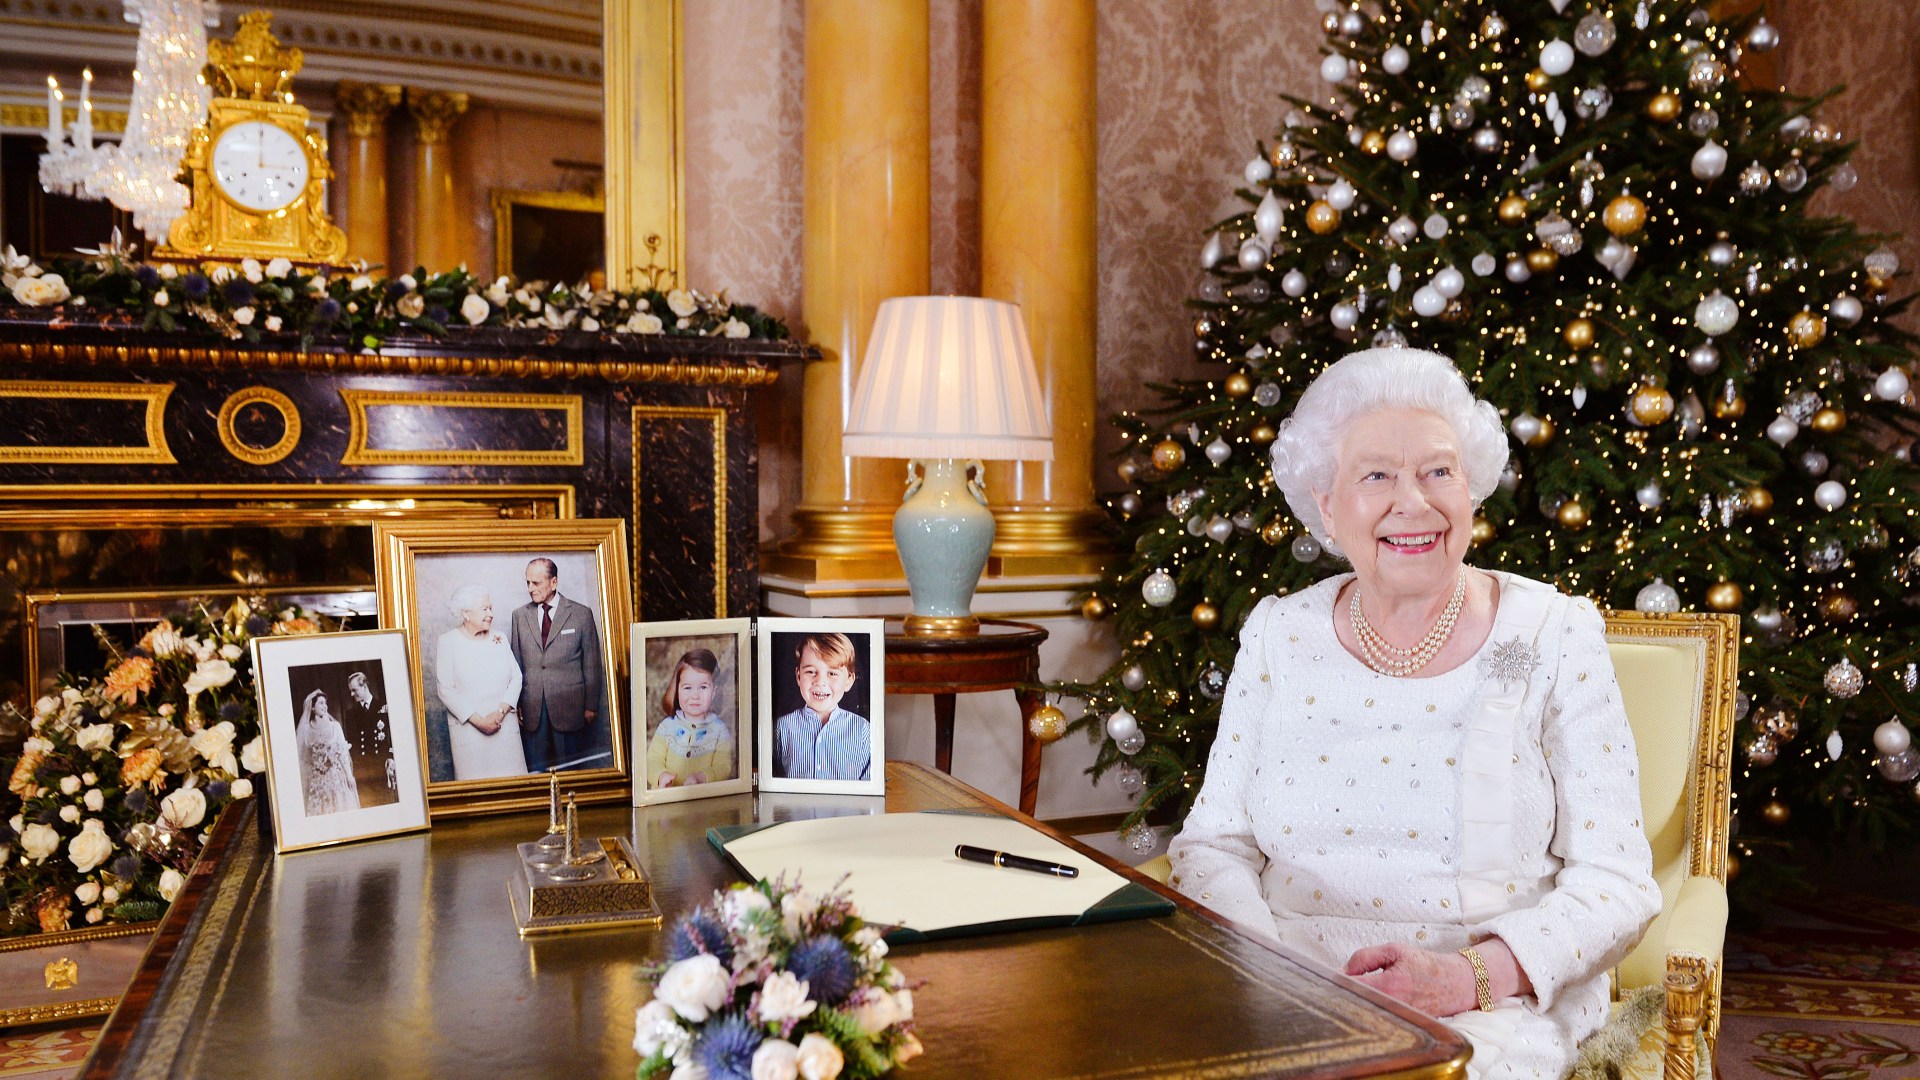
{"x":948,"y":377}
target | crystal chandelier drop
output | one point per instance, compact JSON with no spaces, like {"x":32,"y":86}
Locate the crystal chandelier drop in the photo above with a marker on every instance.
{"x":169,"y":101}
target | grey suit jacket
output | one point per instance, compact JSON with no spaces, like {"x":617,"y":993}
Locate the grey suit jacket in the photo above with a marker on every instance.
{"x":566,"y":676}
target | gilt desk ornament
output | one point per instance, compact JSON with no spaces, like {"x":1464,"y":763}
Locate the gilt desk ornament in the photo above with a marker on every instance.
{"x":556,"y":838}
{"x":580,"y":888}
{"x":947,"y":380}
{"x":255,"y":170}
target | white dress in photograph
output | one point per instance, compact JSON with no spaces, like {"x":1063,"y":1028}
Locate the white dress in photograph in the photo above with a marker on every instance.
{"x":475,"y":676}
{"x":326,"y":765}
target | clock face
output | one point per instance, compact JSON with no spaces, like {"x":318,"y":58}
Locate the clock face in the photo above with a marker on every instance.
{"x":260,"y":166}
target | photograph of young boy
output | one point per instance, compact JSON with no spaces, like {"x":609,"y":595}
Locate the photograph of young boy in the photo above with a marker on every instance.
{"x":820,"y":740}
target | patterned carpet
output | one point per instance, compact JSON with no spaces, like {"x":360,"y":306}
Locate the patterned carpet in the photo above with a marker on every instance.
{"x":43,"y":1053}
{"x":1827,"y":989}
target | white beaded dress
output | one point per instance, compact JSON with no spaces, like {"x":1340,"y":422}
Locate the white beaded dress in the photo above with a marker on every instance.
{"x":1343,"y":808}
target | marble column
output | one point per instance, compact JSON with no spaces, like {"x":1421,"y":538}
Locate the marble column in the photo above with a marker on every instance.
{"x":436,"y":220}
{"x":365,"y":107}
{"x":1037,"y":249}
{"x":864,"y":239}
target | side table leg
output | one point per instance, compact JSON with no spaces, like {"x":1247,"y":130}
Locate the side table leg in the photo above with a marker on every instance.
{"x":943,"y":732}
{"x":1030,"y":702}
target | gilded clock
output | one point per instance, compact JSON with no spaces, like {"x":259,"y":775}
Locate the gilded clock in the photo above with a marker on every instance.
{"x":256,"y":170}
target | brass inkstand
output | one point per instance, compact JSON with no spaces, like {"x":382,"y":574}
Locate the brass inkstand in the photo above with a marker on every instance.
{"x":562,"y":886}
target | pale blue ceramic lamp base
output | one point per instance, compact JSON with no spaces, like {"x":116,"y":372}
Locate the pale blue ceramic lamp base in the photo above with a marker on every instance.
{"x":943,"y":532}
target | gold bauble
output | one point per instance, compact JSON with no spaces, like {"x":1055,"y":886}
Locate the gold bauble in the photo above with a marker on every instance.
{"x":1238,"y":385}
{"x":1542,"y":260}
{"x":1729,"y":407}
{"x":1663,"y":108}
{"x":1322,"y":218}
{"x":1047,"y":724}
{"x":1573,"y":514}
{"x":1373,"y":143}
{"x":1512,"y":210}
{"x":1274,"y":531}
{"x":1168,"y":455}
{"x":1733,"y":866}
{"x":1205,"y":615}
{"x":1806,"y":329}
{"x":1482,"y":530}
{"x":1651,"y":405}
{"x":1837,"y":605}
{"x":1544,"y":435}
{"x":1828,"y":421}
{"x":1263,"y":433}
{"x":1094,"y":608}
{"x":1579,"y":333}
{"x":1626,"y":215}
{"x":1759,"y":499}
{"x":1724,"y":596}
{"x":1538,"y":80}
{"x":1775,"y":813}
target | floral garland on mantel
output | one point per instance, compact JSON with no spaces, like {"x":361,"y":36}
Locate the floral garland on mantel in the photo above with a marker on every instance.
{"x":250,"y":301}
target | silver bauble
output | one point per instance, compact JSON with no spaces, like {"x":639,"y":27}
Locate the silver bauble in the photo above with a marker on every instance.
{"x":1129,"y":780}
{"x":1830,"y":495}
{"x":1435,"y":226}
{"x":1134,"y":678}
{"x":1121,"y":724}
{"x":1159,"y":589}
{"x":1762,"y":751}
{"x":1394,"y":60}
{"x":1650,"y":495}
{"x":1716,"y":314}
{"x":1763,"y":36}
{"x":1334,"y":68}
{"x":1891,"y":385}
{"x":1343,"y":316}
{"x":1305,"y":548}
{"x":1594,"y":34}
{"x":1266,"y":395}
{"x":1844,"y":680}
{"x":1141,"y":838}
{"x":1755,"y":179}
{"x":1824,"y":556}
{"x":1892,"y":737}
{"x":1196,"y":525}
{"x":1782,"y":430}
{"x":1484,"y":264}
{"x":1843,"y":177}
{"x":1475,"y":89}
{"x":1132,"y":744}
{"x":1213,"y":682}
{"x":1258,"y":171}
{"x":1129,"y":504}
{"x":1253,"y":254}
{"x":1218,"y":451}
{"x":1556,"y":57}
{"x":1179,"y":502}
{"x":1658,"y":597}
{"x":1703,"y":359}
{"x":1721,"y":254}
{"x":1427,"y":302}
{"x":1449,"y":282}
{"x":1517,"y":270}
{"x":1813,"y":462}
{"x":1293,"y":283}
{"x":1487,"y":140}
{"x":1703,"y":122}
{"x":1219,"y":530}
{"x":1768,"y":619}
{"x":1352,"y":24}
{"x":1791,"y":177}
{"x":1593,"y":103}
{"x":1525,"y":427}
{"x":1709,"y":161}
{"x":1340,"y":195}
{"x":1460,"y":115}
{"x":1509,"y":478}
{"x":1403,"y":231}
{"x":1901,"y":767}
{"x":1846,"y":309}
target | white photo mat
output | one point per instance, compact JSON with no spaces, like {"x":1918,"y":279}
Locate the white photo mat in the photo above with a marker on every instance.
{"x":778,"y":694}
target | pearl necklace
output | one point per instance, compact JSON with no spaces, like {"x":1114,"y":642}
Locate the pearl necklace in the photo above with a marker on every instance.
{"x":1387,"y":659}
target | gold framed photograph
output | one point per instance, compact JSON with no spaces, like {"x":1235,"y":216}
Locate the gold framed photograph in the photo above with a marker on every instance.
{"x":342,"y":745}
{"x":519,"y":635}
{"x":692,"y":685}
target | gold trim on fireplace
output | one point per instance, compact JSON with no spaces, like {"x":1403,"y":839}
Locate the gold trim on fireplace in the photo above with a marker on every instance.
{"x":246,"y":451}
{"x":79,"y":505}
{"x":155,"y":452}
{"x":359,"y":453}
{"x":717,"y":418}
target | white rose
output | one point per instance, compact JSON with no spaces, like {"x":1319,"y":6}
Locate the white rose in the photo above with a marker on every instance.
{"x":89,"y":778}
{"x":168,"y":271}
{"x":88,"y":892}
{"x":411,"y":306}
{"x":221,"y":274}
{"x":656,"y":1029}
{"x":784,"y":997}
{"x":251,"y":268}
{"x":903,"y":1001}
{"x":273,"y":324}
{"x":242,"y":788}
{"x":41,"y":291}
{"x":6,"y":852}
{"x":94,"y":915}
{"x":210,"y":674}
{"x":38,"y":841}
{"x":795,"y":906}
{"x":90,"y":848}
{"x":161,"y":299}
{"x":243,"y":316}
{"x":353,"y":307}
{"x":694,"y":987}
{"x":170,"y":882}
{"x":109,"y":895}
{"x":279,"y":268}
{"x":317,"y":285}
{"x":590,"y":324}
{"x":875,"y":1013}
{"x":94,"y":737}
{"x":215,"y":744}
{"x":406,"y":282}
{"x":230,"y":651}
{"x":819,"y":1058}
{"x":46,"y":706}
{"x":70,"y":814}
{"x":475,"y":309}
{"x":644,"y":323}
{"x":735,"y":328}
{"x":95,"y":800}
{"x":497,"y":293}
{"x":184,"y":808}
{"x":682,"y":323}
{"x":16,"y":824}
{"x":360,"y":282}
{"x":682,"y":302}
{"x":69,"y":785}
{"x":776,"y":1059}
{"x":253,"y":756}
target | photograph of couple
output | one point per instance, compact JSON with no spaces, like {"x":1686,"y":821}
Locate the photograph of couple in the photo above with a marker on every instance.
{"x":513,"y":664}
{"x":344,"y":736}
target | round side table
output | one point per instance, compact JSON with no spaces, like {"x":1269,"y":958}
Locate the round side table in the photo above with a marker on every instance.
{"x":1001,"y":657}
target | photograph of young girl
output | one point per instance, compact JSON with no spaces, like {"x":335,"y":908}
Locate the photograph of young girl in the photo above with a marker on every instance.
{"x":687,"y":710}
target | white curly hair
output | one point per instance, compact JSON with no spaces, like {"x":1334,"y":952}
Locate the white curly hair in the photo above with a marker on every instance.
{"x":1307,"y":450}
{"x":467,"y":598}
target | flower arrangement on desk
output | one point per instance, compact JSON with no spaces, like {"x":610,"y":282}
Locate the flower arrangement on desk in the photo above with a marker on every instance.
{"x":110,"y":797}
{"x":768,"y":982}
{"x":252,"y":301}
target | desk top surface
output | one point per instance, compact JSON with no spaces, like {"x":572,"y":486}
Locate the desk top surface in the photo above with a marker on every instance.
{"x":399,"y":958}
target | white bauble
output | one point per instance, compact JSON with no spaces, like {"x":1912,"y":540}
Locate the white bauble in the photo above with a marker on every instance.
{"x":1293,"y":283}
{"x":1427,"y":301}
{"x":1270,"y":217}
{"x":1253,"y":254}
{"x":1709,"y":161}
{"x":1782,"y":429}
{"x":1343,"y":316}
{"x":1517,"y":270}
{"x":1219,"y":530}
{"x":1435,"y":226}
{"x":1134,"y":678}
{"x":1658,"y":597}
{"x":1484,"y":264}
{"x":1122,"y":725}
{"x":1401,"y":146}
{"x":1891,"y":385}
{"x":1340,"y":195}
{"x":1556,"y":58}
{"x":1892,"y":737}
{"x":1213,"y":252}
{"x":1402,"y":231}
{"x":1159,"y":589}
{"x":1830,"y":495}
{"x":1395,"y":59}
{"x":1649,"y":495}
{"x":1716,"y":314}
{"x":1846,"y":309}
{"x":1525,"y":427}
{"x":1258,"y":171}
{"x":1449,"y":282}
{"x":1218,"y":451}
{"x":1334,"y":68}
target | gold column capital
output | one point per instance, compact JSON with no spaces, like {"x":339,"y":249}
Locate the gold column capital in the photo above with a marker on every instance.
{"x":366,"y":105}
{"x":435,"y":112}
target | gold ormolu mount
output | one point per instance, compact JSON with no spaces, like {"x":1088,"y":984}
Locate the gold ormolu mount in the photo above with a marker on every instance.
{"x":569,"y":888}
{"x":254,"y":65}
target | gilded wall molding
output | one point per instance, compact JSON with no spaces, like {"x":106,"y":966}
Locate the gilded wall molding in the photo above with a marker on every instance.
{"x":717,"y":419}
{"x":155,"y":452}
{"x":246,"y":451}
{"x":361,"y":452}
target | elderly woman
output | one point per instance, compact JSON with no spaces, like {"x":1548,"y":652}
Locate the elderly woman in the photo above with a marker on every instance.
{"x":1423,"y":774}
{"x":479,"y":683}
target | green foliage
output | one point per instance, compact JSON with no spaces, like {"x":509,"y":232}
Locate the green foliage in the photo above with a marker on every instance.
{"x":1690,"y":490}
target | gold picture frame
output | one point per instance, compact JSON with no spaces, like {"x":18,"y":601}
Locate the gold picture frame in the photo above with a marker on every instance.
{"x":436,"y":580}
{"x":555,"y":209}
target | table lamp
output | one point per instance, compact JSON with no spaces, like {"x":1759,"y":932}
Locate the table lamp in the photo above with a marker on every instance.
{"x":948,"y":380}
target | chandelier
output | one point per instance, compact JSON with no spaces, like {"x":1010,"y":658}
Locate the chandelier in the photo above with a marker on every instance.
{"x":169,"y":101}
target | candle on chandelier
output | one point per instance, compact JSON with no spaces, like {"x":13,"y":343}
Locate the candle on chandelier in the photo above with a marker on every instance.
{"x":83,"y":125}
{"x":53,"y":112}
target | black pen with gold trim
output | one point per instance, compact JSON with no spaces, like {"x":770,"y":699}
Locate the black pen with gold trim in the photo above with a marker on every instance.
{"x":1013,"y":862}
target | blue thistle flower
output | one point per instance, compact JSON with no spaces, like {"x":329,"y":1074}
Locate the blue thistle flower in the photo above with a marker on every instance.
{"x":239,"y":292}
{"x":824,"y":963}
{"x":438,"y":313}
{"x":126,"y":866}
{"x":216,"y":791}
{"x":148,"y":277}
{"x":257,"y":625}
{"x":725,"y":1047}
{"x":230,"y":711}
{"x":326,"y":310}
{"x":395,"y":290}
{"x":699,"y":932}
{"x":48,"y":816}
{"x":136,"y":801}
{"x":196,"y":286}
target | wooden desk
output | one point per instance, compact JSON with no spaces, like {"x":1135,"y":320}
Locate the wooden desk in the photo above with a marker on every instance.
{"x":399,"y":958}
{"x":1002,"y":656}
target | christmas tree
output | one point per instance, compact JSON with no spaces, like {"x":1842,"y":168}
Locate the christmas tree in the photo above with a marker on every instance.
{"x":1583,"y":206}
